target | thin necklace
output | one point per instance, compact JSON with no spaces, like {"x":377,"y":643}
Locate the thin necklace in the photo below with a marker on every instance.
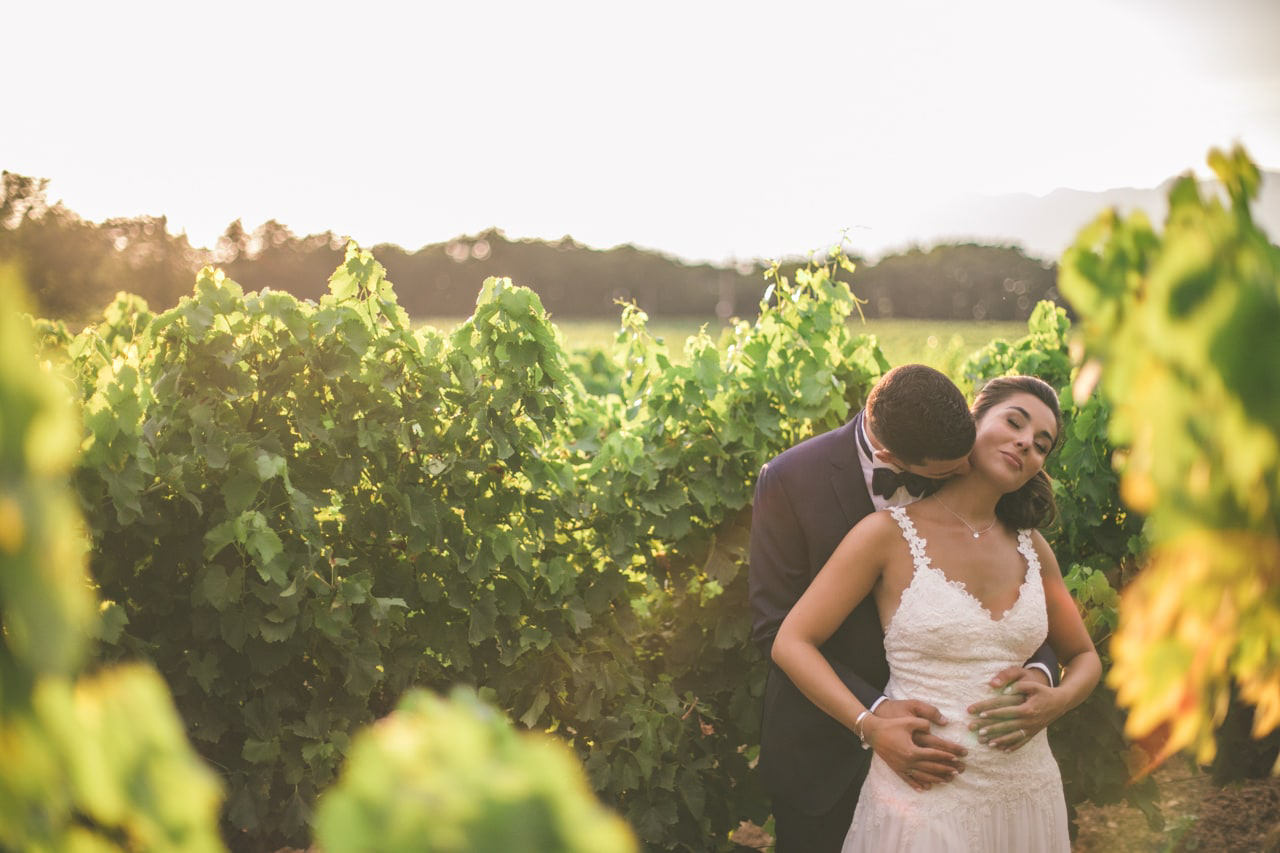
{"x":975,"y":531}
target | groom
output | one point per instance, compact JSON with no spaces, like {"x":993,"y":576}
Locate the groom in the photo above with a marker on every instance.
{"x":915,"y":431}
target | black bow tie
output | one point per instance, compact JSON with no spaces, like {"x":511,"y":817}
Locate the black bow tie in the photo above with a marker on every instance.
{"x":885,"y":481}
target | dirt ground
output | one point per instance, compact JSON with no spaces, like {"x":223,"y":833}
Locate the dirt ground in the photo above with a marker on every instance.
{"x":1243,"y":817}
{"x":1199,"y":816}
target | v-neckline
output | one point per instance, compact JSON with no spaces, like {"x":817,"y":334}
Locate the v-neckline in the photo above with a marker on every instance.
{"x":963,"y":588}
{"x":922,"y":560}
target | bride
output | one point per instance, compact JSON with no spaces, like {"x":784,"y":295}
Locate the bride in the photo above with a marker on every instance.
{"x":988,"y":601}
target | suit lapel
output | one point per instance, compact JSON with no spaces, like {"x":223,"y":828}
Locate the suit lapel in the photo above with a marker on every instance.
{"x":846,"y":475}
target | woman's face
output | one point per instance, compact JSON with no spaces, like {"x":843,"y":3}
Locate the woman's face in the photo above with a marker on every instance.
{"x":1014,"y":438}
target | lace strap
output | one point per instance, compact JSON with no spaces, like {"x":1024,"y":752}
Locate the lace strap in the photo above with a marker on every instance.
{"x":914,"y":542}
{"x":1028,"y":550}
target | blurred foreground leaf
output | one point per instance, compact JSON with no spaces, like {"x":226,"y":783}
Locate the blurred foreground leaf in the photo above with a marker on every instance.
{"x":453,"y":775}
{"x":1186,"y":325}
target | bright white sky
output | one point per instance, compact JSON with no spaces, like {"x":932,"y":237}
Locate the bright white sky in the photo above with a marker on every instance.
{"x":706,"y":129}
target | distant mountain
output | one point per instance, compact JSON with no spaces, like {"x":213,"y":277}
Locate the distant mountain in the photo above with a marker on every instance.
{"x":1045,"y":225}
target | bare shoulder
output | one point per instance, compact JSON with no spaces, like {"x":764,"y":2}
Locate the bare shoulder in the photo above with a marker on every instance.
{"x":868,"y":546}
{"x":883,"y":521}
{"x":1048,"y":560}
{"x":877,"y":530}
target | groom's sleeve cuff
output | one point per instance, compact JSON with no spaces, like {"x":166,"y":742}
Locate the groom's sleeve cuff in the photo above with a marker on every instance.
{"x":1042,"y":668}
{"x":876,"y":704}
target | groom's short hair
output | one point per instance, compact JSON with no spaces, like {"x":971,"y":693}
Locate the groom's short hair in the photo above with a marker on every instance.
{"x":919,"y":414}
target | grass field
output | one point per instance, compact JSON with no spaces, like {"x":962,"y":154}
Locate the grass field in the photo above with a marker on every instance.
{"x":943,"y":344}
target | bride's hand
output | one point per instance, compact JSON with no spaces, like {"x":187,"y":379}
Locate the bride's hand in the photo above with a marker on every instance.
{"x":1025,"y":705}
{"x":899,"y":733}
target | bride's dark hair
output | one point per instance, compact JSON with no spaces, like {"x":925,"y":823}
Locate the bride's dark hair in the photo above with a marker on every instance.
{"x":1033,"y":504}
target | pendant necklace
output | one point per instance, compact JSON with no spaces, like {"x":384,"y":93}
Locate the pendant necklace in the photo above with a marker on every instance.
{"x":975,"y":531}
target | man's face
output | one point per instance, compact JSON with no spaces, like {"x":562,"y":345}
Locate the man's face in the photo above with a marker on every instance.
{"x":940,"y":469}
{"x":934,"y":469}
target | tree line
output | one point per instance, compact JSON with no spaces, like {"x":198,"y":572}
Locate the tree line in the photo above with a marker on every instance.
{"x":73,"y":267}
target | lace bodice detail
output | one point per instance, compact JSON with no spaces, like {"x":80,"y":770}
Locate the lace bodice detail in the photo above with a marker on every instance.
{"x":941,"y":632}
{"x":943,"y":647}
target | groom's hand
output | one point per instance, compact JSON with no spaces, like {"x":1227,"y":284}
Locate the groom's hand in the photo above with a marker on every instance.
{"x":901,"y":737}
{"x":1024,"y":704}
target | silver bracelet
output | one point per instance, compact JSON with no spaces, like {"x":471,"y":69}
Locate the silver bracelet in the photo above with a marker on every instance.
{"x":857,"y":729}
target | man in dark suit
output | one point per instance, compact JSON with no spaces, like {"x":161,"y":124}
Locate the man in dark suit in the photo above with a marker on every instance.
{"x":915,"y":431}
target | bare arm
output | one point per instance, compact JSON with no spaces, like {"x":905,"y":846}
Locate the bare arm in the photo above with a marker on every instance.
{"x":1081,"y":667}
{"x":847,"y":578}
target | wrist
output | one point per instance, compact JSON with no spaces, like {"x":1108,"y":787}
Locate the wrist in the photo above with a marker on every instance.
{"x":867,"y":728}
{"x":858,"y":726}
{"x":1061,"y":700}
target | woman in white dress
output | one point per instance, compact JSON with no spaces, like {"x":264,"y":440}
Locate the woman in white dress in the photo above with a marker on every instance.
{"x":965,"y":585}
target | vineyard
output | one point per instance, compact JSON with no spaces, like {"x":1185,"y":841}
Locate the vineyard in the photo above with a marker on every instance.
{"x":312,"y":519}
{"x":942,"y":344}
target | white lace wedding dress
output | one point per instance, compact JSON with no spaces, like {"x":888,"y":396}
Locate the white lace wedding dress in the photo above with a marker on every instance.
{"x":943,"y":647}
